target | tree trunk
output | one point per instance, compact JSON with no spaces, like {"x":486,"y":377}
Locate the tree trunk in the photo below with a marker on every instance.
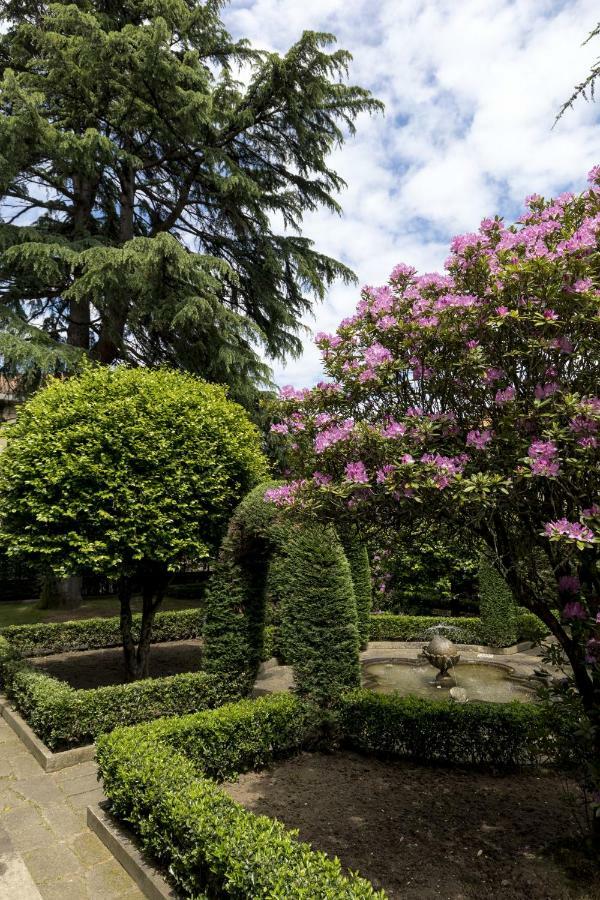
{"x":63,"y":593}
{"x":137,"y":659}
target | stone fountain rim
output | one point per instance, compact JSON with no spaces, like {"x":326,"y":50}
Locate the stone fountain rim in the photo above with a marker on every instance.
{"x":525,"y":680}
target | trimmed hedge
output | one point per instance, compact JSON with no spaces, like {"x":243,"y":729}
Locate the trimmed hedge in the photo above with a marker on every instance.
{"x":212,"y":846}
{"x":497,"y":607}
{"x":64,"y":717}
{"x":93,"y":634}
{"x":492,"y":735}
{"x":391,"y":627}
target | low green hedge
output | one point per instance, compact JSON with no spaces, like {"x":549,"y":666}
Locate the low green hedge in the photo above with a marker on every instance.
{"x":211,"y":846}
{"x":489,"y":735}
{"x":391,"y":627}
{"x":64,"y":717}
{"x":93,"y":634}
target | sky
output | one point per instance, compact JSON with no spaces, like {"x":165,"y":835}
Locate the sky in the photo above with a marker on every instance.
{"x":471,"y":91}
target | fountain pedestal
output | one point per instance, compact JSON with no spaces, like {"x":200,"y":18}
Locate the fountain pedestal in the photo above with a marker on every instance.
{"x":441,"y":653}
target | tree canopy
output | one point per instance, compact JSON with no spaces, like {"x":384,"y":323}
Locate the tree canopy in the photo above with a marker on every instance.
{"x":127,"y":473}
{"x":154,"y":174}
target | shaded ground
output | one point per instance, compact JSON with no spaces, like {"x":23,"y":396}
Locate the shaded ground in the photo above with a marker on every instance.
{"x":424,"y":833}
{"x":97,"y":668}
{"x":27,"y":613}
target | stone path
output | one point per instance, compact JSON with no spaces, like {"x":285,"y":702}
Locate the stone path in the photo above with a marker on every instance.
{"x":44,"y":816}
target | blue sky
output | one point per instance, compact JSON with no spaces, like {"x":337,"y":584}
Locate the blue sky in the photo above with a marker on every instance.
{"x":471,"y":90}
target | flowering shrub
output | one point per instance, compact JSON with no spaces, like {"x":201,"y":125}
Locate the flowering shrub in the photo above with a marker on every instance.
{"x":472,"y":397}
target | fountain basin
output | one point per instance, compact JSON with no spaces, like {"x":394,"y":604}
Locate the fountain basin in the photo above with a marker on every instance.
{"x":490,"y":682}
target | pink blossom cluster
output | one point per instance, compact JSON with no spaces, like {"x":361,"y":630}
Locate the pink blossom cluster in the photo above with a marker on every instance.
{"x":479,"y":439}
{"x":356,"y":472}
{"x":332,"y":435}
{"x":448,"y":467}
{"x":285,"y":494}
{"x":543,"y":461}
{"x":575,"y":531}
{"x":568,"y":584}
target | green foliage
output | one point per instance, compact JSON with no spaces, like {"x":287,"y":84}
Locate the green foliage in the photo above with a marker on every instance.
{"x":242,"y":736}
{"x":498,"y":735}
{"x":497,"y":606}
{"x":118,"y":469}
{"x":423,"y":567}
{"x":389,"y":627}
{"x":211,"y":845}
{"x":142,"y":144}
{"x":319,"y":631}
{"x":358,"y":558}
{"x":529,"y":627}
{"x":92,"y":634}
{"x":63,"y":717}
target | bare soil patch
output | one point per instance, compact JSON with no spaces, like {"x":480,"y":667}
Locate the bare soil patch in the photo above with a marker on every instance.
{"x":422,"y":833}
{"x":98,"y":668}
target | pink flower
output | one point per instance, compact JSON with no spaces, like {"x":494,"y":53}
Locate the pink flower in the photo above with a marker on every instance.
{"x":320,"y":479}
{"x":355,"y":471}
{"x":502,"y":310}
{"x":550,"y":315}
{"x":289,"y":392}
{"x":285,"y":495}
{"x":592,"y":657}
{"x":332,"y":435}
{"x":504,"y":396}
{"x":574,"y":531}
{"x":384,"y":473}
{"x":280,"y":428}
{"x":479,"y":439}
{"x":594,"y":175}
{"x":574,"y":610}
{"x":542,"y":391}
{"x":402,"y":271}
{"x":376,"y":355}
{"x":583,"y":285}
{"x":393,"y":429}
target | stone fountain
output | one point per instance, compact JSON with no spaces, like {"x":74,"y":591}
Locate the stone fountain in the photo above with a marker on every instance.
{"x":442,"y":654}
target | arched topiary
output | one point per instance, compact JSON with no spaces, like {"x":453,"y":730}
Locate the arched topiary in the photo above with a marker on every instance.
{"x":235,"y":602}
{"x":318,"y":628}
{"x":258,"y":564}
{"x":497,"y":606}
{"x":358,"y":557}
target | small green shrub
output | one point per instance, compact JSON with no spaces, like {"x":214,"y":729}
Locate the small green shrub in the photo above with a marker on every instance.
{"x":93,"y":634}
{"x":212,"y":846}
{"x":64,"y":717}
{"x":319,"y":633}
{"x":497,"y":607}
{"x":390,"y":627}
{"x":529,"y":627}
{"x":497,"y":735}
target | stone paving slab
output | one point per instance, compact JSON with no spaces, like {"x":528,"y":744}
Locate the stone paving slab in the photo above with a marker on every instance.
{"x":44,"y":815}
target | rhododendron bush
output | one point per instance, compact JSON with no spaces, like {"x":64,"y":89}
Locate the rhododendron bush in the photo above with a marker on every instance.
{"x":472,"y":396}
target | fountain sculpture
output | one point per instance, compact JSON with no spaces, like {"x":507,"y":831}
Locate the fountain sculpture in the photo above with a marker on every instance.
{"x":441,"y":653}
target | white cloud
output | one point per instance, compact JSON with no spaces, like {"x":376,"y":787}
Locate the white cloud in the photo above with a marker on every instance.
{"x":471,"y":91}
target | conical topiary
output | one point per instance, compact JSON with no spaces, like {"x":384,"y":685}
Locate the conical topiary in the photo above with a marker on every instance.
{"x":497,"y":606}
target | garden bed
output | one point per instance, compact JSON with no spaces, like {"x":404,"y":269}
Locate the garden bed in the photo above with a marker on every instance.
{"x":421,"y":832}
{"x":100,"y":668}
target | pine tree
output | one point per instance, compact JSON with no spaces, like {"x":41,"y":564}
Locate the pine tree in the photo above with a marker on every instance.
{"x":151,"y":199}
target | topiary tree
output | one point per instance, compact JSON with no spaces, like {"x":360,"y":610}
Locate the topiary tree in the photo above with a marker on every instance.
{"x":360,"y":570}
{"x":497,"y":606}
{"x":319,"y":630}
{"x":125,"y":473}
{"x":257,"y":566}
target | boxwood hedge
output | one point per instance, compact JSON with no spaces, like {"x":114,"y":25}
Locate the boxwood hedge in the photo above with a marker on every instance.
{"x":160,"y":780}
{"x":155,"y":779}
{"x":92,"y":634}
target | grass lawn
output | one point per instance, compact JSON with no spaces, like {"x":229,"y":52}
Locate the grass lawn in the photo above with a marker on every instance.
{"x":27,"y":613}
